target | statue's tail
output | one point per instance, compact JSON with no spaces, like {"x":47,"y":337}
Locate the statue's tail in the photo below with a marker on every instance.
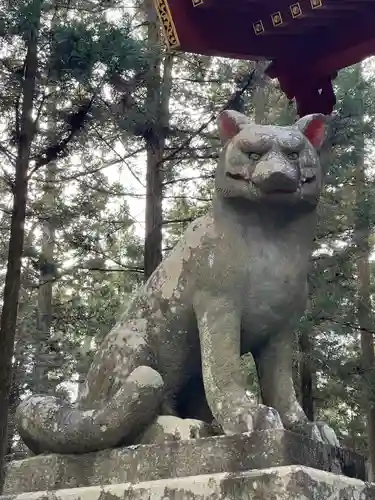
{"x":48,"y":424}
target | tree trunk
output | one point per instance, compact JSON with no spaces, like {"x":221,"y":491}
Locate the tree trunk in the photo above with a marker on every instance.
{"x":46,"y":279}
{"x":364,"y":313}
{"x":306,"y":375}
{"x":19,"y":369}
{"x":14,"y":401}
{"x":157,"y":109}
{"x":16,"y":239}
{"x":260,"y":97}
{"x":296,"y":369}
{"x":366,"y":323}
{"x":20,"y":363}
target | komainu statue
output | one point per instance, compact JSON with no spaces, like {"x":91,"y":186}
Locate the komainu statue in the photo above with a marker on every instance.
{"x":235,"y":283}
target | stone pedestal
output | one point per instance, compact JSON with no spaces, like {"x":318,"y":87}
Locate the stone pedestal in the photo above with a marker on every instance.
{"x":265,"y":465}
{"x":276,"y":483}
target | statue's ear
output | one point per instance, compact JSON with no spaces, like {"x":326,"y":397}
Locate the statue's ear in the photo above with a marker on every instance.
{"x":314,"y":127}
{"x":230,"y":123}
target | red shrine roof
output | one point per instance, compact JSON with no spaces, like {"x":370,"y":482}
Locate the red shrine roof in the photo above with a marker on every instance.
{"x":307,"y":41}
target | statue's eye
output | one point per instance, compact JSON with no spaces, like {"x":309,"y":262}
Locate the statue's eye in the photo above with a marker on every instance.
{"x":254,"y":156}
{"x":293,"y":156}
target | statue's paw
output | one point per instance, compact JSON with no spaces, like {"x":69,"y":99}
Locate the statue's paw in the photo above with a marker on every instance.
{"x":317,"y":431}
{"x":170,"y":428}
{"x":251,"y":417}
{"x":267,"y":418}
{"x":327,"y":434}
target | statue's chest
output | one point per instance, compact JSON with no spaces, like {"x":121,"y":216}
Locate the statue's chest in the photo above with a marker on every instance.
{"x":274,"y":286}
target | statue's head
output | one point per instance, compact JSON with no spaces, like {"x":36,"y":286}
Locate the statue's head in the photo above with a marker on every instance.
{"x":270,"y":164}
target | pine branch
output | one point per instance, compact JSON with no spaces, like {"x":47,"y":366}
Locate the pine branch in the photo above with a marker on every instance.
{"x":349,"y":324}
{"x":187,"y":179}
{"x":9,"y":155}
{"x":194,"y":156}
{"x":76,"y":123}
{"x":119,"y":156}
{"x":178,"y":221}
{"x":182,"y":197}
{"x":117,"y":269}
{"x":94,"y":170}
{"x":72,"y":270}
{"x":235,"y":96}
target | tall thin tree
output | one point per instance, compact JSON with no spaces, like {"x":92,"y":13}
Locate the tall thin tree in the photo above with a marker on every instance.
{"x":13,"y":274}
{"x":364,"y":308}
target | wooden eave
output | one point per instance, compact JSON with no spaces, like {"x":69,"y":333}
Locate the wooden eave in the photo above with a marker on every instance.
{"x":309,"y":39}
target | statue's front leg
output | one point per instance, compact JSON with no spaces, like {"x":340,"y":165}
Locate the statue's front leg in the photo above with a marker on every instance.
{"x":274,"y":365}
{"x":219,"y":323}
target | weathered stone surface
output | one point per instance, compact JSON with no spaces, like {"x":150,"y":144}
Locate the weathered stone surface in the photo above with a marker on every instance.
{"x":235,"y":283}
{"x":169,"y":428}
{"x":279,"y":483}
{"x":211,"y":455}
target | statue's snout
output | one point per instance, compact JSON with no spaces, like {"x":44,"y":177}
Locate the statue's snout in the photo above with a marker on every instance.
{"x":269,"y":178}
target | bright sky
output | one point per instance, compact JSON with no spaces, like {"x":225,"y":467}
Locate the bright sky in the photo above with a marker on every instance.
{"x":136,"y":204}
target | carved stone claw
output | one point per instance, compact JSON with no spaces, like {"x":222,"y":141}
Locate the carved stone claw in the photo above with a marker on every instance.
{"x":267,"y":418}
{"x":250,"y":417}
{"x":328,"y":435}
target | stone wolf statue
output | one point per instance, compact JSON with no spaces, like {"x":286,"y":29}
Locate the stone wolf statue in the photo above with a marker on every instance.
{"x":235,"y":283}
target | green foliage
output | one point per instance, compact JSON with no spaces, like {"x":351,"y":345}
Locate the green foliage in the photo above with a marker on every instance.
{"x":78,"y":47}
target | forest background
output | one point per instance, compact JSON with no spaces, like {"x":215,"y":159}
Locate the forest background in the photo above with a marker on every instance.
{"x":107,"y":151}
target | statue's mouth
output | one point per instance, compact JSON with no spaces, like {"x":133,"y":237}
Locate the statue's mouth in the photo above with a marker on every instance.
{"x":288,"y":188}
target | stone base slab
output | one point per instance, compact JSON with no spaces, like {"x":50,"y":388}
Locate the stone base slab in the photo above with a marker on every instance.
{"x":178,"y":459}
{"x":279,"y":483}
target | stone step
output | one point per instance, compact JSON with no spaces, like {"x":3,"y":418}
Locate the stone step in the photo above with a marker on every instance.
{"x":278,"y":483}
{"x":178,"y":459}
